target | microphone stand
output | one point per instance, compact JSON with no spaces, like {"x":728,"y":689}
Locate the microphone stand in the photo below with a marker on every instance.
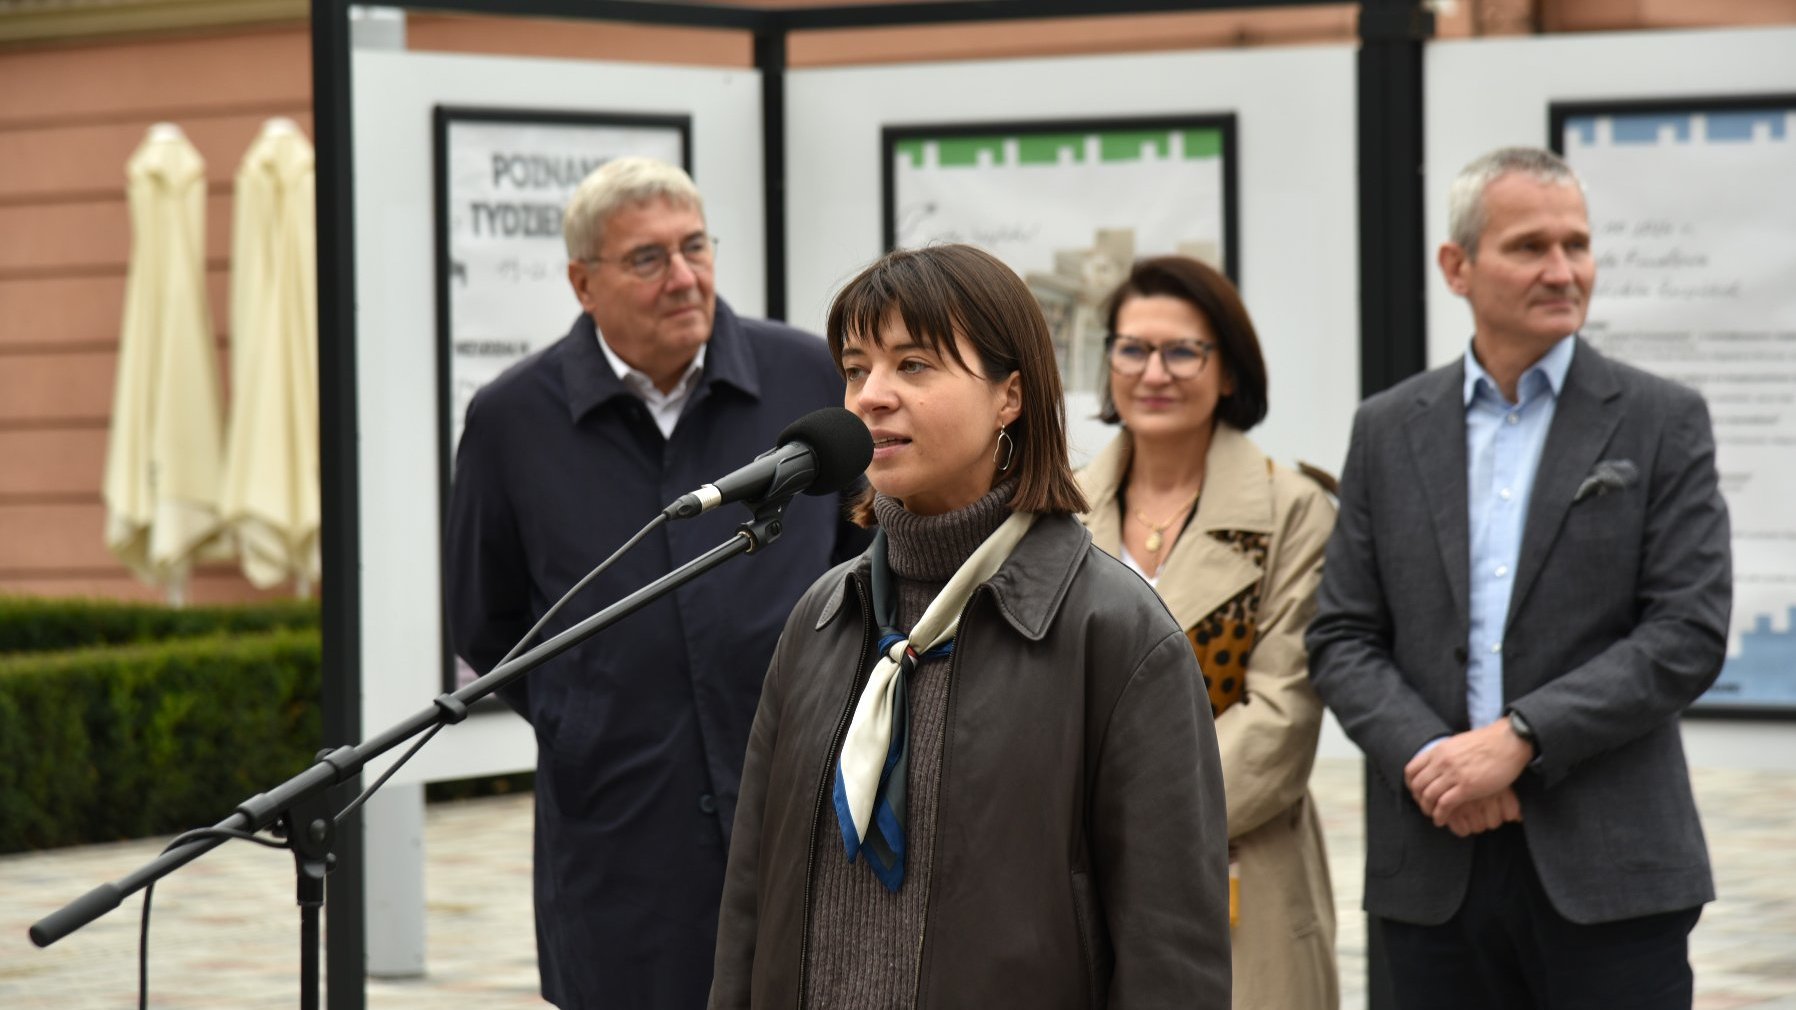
{"x":300,"y":804}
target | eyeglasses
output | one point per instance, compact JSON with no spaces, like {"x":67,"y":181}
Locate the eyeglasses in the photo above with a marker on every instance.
{"x":1182,"y":359}
{"x":650,"y":263}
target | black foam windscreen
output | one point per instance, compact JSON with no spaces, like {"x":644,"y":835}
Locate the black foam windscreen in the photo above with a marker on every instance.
{"x":841,"y":443}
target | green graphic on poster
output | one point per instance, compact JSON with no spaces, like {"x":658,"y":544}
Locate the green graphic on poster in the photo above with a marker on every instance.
{"x":1068,"y":205}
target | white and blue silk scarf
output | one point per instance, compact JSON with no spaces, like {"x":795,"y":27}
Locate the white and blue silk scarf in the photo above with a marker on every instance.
{"x":871,"y":776}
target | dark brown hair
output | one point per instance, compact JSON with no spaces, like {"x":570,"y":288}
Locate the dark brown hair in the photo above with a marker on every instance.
{"x":1210,"y":293}
{"x":940,"y":291}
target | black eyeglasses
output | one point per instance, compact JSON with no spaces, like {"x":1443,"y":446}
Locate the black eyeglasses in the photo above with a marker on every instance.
{"x":650,"y":263}
{"x":1182,"y":359}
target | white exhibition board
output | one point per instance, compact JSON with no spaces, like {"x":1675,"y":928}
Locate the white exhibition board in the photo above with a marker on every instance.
{"x":1067,"y":205}
{"x":1023,"y":195}
{"x":396,"y":335}
{"x":509,"y":177}
{"x":1297,"y":201}
{"x":1485,"y":94}
{"x":1696,"y":215}
{"x":1694,"y":230}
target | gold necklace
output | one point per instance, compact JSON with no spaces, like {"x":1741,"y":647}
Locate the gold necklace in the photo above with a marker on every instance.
{"x":1156,"y":536}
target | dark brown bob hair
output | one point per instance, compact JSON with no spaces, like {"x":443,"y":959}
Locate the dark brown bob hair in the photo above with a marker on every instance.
{"x":942,"y":290}
{"x":1210,"y":293}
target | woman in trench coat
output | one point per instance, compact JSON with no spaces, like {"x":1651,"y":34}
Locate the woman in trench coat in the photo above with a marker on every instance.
{"x":1234,"y":546}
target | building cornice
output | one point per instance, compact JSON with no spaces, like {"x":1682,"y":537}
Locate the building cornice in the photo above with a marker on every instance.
{"x":28,"y":22}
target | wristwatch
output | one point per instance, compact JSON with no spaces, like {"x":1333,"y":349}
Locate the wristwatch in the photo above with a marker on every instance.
{"x":1526,"y":732}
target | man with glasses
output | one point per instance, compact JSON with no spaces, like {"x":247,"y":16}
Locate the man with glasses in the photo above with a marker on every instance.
{"x":658,"y":388}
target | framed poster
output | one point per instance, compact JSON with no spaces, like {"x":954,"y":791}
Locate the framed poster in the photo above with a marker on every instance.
{"x":1069,"y":205}
{"x":502,"y":179}
{"x":1693,"y":222}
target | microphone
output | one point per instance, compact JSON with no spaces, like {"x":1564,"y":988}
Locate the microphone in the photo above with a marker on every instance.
{"x":820,"y":453}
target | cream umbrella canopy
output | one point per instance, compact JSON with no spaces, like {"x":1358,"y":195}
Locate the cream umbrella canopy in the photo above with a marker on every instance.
{"x":270,"y":493}
{"x":162,"y":458}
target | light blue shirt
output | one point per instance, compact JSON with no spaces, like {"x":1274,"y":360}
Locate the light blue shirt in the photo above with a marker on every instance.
{"x":1503,"y":443}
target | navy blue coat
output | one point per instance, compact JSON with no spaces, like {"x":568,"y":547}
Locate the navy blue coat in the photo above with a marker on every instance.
{"x":640,"y":730}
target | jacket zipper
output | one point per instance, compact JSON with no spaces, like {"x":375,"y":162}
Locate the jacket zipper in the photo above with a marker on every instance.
{"x":810,"y":873}
{"x":935,"y":831}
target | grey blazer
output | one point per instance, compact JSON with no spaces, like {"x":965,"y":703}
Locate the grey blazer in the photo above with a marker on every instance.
{"x":1618,"y":621}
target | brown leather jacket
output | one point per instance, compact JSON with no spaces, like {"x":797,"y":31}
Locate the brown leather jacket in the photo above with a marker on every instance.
{"x":1075,"y":703}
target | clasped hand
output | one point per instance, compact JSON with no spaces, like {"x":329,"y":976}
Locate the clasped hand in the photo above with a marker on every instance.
{"x":1464,"y":783}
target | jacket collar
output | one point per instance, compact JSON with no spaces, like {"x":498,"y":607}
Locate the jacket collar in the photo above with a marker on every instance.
{"x":590,"y":380}
{"x":1587,"y":415}
{"x":1201,"y":572}
{"x":1027,"y":590}
{"x":1436,"y":429}
{"x":1236,"y":495}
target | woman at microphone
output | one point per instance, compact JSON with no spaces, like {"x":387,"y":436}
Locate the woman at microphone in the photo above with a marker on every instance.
{"x":983,"y":771}
{"x":1233,"y":544}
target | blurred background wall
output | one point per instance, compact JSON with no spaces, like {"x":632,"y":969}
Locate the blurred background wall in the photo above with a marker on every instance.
{"x":81,"y":81}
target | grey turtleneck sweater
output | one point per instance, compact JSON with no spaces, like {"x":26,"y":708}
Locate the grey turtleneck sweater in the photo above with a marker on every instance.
{"x":865,"y":941}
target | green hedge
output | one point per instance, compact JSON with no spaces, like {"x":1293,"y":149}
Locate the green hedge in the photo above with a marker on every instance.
{"x":30,"y":624}
{"x":130,"y":740}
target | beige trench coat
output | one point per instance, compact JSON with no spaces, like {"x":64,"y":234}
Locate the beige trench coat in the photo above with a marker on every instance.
{"x":1259,"y":532}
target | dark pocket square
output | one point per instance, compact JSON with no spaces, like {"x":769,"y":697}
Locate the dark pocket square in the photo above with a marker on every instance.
{"x":1606,"y":476}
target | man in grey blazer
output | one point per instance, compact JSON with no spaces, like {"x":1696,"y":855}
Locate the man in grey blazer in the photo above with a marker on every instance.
{"x":1528,"y":582}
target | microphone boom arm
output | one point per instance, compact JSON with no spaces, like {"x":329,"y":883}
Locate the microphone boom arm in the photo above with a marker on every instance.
{"x":306,"y":790}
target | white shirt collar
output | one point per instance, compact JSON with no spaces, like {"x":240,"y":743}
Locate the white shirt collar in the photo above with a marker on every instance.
{"x":665,"y":407}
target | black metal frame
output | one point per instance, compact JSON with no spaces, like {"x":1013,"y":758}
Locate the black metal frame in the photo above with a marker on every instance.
{"x":1393,"y":259}
{"x":1392,"y":334}
{"x":1561,"y":113}
{"x":442,"y":117}
{"x":891,"y":136}
{"x":340,"y":589}
{"x":1393,"y":262}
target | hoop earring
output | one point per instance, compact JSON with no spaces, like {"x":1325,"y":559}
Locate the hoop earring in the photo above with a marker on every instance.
{"x":1009,"y":445}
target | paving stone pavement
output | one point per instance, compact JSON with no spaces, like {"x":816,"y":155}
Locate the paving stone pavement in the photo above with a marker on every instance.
{"x":225,"y":930}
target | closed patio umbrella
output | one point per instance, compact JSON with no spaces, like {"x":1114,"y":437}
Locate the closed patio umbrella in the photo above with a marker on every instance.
{"x":270,"y":495}
{"x":162,"y":459}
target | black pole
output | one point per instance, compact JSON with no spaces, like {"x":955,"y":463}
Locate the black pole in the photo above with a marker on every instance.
{"x":311,"y":832}
{"x":1393,"y":257}
{"x":770,"y":60}
{"x":1393,"y":331}
{"x":346,"y":940}
{"x":311,"y":902}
